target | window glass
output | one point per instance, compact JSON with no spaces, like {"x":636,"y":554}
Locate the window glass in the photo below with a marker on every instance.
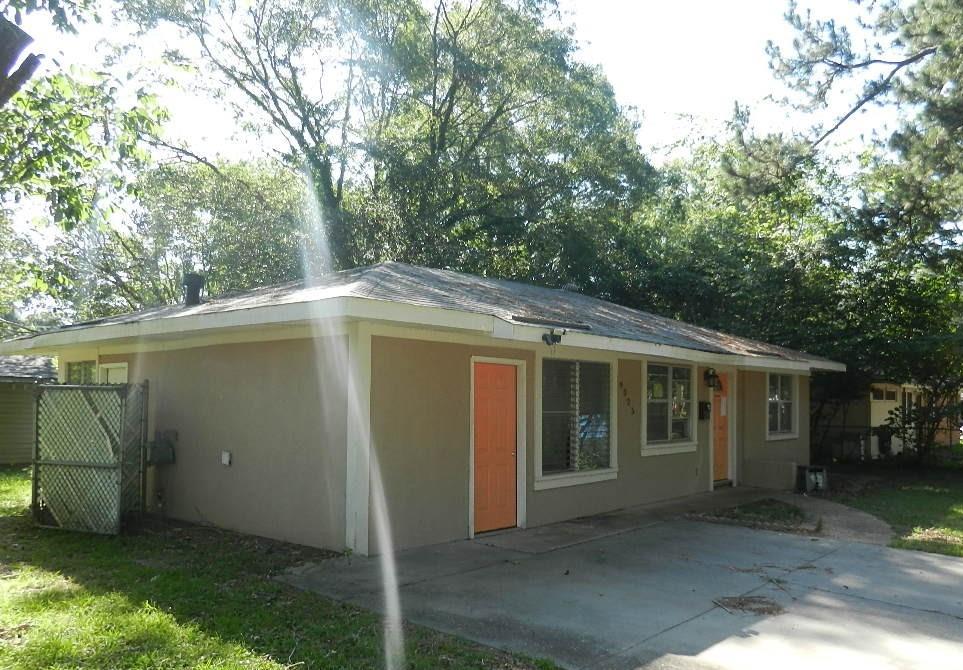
{"x":780,"y":405}
{"x":785,"y":417}
{"x":657,"y":424}
{"x":575,"y":416}
{"x":785,"y":391}
{"x":668,"y":403}
{"x":658,"y":382}
{"x":891,"y":394}
{"x":877,"y":393}
{"x":81,"y":372}
{"x":773,"y":387}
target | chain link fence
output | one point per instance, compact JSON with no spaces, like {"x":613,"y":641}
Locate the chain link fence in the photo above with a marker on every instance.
{"x":88,"y":462}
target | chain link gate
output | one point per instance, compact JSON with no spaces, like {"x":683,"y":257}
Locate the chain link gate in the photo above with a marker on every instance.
{"x":88,"y":466}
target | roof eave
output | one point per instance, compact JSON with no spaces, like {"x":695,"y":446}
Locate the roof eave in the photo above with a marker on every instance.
{"x":384,"y":311}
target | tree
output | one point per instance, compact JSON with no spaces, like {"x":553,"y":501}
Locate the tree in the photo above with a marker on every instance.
{"x":18,"y":282}
{"x":903,"y":289}
{"x":467,"y":136}
{"x":241,"y":225}
{"x":912,"y":60}
{"x":68,"y":140}
{"x":67,"y":137}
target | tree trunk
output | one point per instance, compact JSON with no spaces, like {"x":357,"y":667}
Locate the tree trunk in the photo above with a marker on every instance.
{"x":335,"y":225}
{"x":13,"y":41}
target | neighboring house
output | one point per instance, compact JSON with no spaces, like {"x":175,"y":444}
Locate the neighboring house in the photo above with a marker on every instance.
{"x":473,"y":404}
{"x":871,"y":412}
{"x":18,"y":377}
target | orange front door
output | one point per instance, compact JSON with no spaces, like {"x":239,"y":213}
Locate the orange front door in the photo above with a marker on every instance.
{"x":495,"y":446}
{"x":720,"y":430}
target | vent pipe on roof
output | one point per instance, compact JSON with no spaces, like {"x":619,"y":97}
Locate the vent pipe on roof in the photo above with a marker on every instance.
{"x":193,"y":283}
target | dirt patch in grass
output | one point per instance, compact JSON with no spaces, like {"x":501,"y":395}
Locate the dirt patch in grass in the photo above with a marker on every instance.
{"x":758,"y":605}
{"x":767,"y":514}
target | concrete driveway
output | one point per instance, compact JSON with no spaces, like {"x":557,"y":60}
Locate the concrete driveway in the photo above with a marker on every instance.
{"x":642,"y":589}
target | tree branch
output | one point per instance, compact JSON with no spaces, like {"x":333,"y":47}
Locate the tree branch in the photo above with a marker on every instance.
{"x":181,"y":151}
{"x":876,"y":91}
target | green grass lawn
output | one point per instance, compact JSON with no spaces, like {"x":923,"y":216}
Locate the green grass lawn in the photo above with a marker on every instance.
{"x":925,"y":509}
{"x":180,"y":596}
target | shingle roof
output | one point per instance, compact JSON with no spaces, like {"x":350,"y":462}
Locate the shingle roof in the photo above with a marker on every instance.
{"x":27,"y":367}
{"x":512,"y":301}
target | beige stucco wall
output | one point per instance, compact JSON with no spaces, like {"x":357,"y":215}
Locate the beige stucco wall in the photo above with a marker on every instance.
{"x":420,"y":403}
{"x":282,"y":418}
{"x":641,"y":479}
{"x":764,"y":462}
{"x":263,"y":402}
{"x":420,"y":419}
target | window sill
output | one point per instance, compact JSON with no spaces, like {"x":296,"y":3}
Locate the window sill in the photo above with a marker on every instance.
{"x":778,"y":437}
{"x":670,"y":448}
{"x":575,"y":478}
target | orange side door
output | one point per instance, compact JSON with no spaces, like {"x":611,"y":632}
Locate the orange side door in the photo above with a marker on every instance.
{"x":495,"y":446}
{"x":720,"y":430}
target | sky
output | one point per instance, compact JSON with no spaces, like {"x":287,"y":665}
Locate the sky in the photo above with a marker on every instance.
{"x":682,"y":64}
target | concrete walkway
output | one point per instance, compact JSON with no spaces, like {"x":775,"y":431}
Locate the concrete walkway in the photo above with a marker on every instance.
{"x":642,"y":588}
{"x":841,"y":522}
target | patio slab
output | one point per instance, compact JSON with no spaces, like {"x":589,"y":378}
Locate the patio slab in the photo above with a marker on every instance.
{"x":642,"y":590}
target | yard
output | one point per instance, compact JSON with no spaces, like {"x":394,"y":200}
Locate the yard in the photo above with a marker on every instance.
{"x":178,"y":596}
{"x":925,"y":507}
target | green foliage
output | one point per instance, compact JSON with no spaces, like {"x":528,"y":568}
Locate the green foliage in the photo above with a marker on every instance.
{"x":467,"y":136}
{"x":68,"y":140}
{"x":241,"y":225}
{"x":915,"y":64}
{"x":65,"y":14}
{"x":17,"y":284}
{"x":903,"y":290}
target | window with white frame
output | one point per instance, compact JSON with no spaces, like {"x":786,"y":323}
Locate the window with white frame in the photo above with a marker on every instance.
{"x":880,"y":393}
{"x":781,"y":404}
{"x":669,"y":402}
{"x":576,"y":416}
{"x":81,"y":372}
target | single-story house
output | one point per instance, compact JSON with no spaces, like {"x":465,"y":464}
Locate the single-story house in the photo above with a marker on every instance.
{"x":457,"y":404}
{"x":869,"y":413}
{"x":18,"y":377}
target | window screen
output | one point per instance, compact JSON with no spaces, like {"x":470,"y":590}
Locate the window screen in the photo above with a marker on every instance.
{"x":575,"y":416}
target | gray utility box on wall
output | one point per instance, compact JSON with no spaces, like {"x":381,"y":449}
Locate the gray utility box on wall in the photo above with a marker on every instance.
{"x":161,"y":450}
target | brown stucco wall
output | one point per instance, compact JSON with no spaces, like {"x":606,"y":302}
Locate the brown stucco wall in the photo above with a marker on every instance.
{"x":769,"y":463}
{"x":420,"y":419}
{"x":286,"y":431}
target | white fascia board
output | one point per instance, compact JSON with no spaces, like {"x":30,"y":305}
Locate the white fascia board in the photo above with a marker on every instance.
{"x":342,"y":307}
{"x":587,"y":340}
{"x":178,"y":325}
